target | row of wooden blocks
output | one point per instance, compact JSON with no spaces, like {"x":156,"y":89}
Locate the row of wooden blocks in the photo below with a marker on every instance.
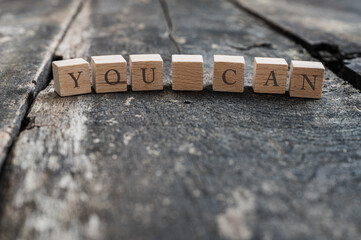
{"x":109,"y":74}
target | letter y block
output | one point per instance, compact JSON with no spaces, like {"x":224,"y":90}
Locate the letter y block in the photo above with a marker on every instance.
{"x":71,"y":77}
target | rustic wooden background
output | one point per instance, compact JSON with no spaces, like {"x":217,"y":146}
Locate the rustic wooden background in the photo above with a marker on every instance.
{"x":179,"y":165}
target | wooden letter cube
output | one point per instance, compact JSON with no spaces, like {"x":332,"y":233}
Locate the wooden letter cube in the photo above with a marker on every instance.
{"x":146,"y":72}
{"x":228,"y":73}
{"x":109,"y":73}
{"x":187,"y":72}
{"x":71,"y":77}
{"x":269,"y":75}
{"x":306,"y":79}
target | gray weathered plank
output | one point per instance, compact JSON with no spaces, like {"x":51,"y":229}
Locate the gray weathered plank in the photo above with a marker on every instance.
{"x":29,"y":34}
{"x":330,"y":29}
{"x":178,"y":165}
{"x":352,"y":72}
{"x":324,"y":22}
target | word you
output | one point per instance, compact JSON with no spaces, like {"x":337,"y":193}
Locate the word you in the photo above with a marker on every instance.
{"x":109,"y":74}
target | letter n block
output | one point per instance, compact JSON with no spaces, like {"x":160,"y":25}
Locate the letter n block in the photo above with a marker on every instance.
{"x":269,"y":75}
{"x":187,"y":72}
{"x":228,"y":73}
{"x":146,"y":72}
{"x":306,"y":79}
{"x":109,"y":73}
{"x":71,"y":77}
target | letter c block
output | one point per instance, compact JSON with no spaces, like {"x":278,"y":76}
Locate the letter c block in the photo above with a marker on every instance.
{"x":228,"y":73}
{"x":146,"y":72}
{"x":71,"y":77}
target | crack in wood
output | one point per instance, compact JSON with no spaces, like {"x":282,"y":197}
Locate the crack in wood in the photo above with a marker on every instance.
{"x":241,"y":47}
{"x":45,"y":71}
{"x":168,"y":19}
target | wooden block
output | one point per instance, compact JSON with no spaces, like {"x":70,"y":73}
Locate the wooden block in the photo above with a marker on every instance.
{"x":187,"y":72}
{"x":228,"y":73}
{"x":269,"y":75}
{"x":146,"y":72}
{"x":306,"y":79}
{"x":71,"y":77}
{"x":109,"y":73}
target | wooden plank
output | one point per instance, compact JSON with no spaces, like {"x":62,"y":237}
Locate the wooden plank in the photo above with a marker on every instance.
{"x":186,"y":165}
{"x":352,"y":71}
{"x":29,"y":34}
{"x":329,"y":29}
{"x":324,"y":22}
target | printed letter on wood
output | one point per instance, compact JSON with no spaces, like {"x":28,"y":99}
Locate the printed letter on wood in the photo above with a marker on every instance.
{"x":269,"y":75}
{"x":228,"y":73}
{"x":146,"y":72}
{"x":306,"y":79}
{"x":109,"y":73}
{"x":71,"y":77}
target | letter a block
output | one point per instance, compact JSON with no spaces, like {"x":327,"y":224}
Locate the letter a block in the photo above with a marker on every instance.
{"x":269,"y":75}
{"x":71,"y":77}
{"x":109,"y":73}
{"x":187,"y":72}
{"x":146,"y":72}
{"x":228,"y":73}
{"x":306,"y":79}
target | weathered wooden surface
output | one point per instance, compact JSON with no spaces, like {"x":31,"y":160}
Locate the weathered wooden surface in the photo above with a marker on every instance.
{"x":330,"y":29}
{"x":352,"y":71}
{"x":29,"y":34}
{"x":174,"y":165}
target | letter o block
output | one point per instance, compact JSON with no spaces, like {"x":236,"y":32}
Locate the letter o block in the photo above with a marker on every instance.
{"x":269,"y":75}
{"x":187,"y":72}
{"x":71,"y":77}
{"x":228,"y":73}
{"x":109,"y":73}
{"x":146,"y":72}
{"x":306,"y":79}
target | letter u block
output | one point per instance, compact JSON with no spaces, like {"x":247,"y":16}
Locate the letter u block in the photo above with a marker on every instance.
{"x":228,"y":73}
{"x":109,"y":73}
{"x":146,"y":72}
{"x":71,"y":77}
{"x":306,"y":79}
{"x":187,"y":72}
{"x":269,"y":75}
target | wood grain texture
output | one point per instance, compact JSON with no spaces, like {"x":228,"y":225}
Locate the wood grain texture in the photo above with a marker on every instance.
{"x":29,"y":34}
{"x":228,"y":73}
{"x":187,"y":72}
{"x":269,"y":75}
{"x":186,"y":165}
